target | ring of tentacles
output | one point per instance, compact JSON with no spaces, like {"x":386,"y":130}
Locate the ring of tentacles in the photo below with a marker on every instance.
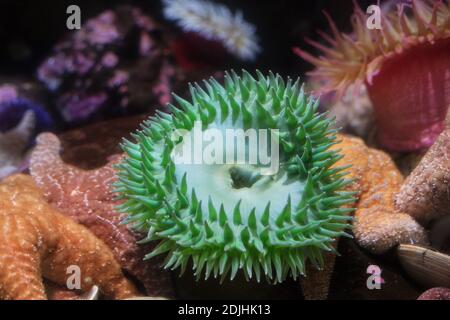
{"x":225,"y":218}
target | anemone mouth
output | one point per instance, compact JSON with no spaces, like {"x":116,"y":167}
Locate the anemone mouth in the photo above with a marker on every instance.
{"x":358,"y":57}
{"x":226,"y":217}
{"x":243,"y":177}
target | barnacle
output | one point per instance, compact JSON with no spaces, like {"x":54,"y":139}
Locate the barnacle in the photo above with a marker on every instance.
{"x":231,"y":217}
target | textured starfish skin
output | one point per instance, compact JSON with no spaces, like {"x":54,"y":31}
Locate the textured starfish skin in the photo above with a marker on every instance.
{"x":55,"y":292}
{"x":425,"y":195}
{"x":37,"y":241}
{"x":13,"y":144}
{"x":85,"y":196}
{"x":378,"y":225}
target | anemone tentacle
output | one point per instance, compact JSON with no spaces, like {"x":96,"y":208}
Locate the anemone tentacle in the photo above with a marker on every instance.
{"x":357,"y":57}
{"x":225,"y":218}
{"x":215,"y":22}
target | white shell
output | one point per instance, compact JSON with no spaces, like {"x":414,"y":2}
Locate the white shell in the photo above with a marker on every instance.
{"x":425,"y":265}
{"x":91,"y":294}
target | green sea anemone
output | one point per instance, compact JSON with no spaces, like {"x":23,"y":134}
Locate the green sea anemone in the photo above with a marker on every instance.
{"x":232,"y":216}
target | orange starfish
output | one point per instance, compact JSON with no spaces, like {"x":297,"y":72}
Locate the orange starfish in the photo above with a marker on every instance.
{"x":425,"y":195}
{"x":378,"y":226}
{"x":86,"y":197}
{"x":37,"y":241}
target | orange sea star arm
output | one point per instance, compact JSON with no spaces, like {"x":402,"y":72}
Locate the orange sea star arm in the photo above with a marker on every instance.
{"x":377,"y":226}
{"x":38,"y":241}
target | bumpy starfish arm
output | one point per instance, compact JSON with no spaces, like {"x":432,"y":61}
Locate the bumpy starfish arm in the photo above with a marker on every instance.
{"x":79,"y":247}
{"x":378,"y":226}
{"x":38,"y":241}
{"x":51,"y":172}
{"x":86,"y":197}
{"x":46,"y":165}
{"x":425,"y":195}
{"x":19,"y":262}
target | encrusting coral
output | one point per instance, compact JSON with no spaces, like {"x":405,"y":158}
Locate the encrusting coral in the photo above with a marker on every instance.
{"x":404,"y":65}
{"x":425,"y":193}
{"x":230,"y":217}
{"x":14,"y":143}
{"x":115,"y":64}
{"x":86,"y":197}
{"x":37,"y":241}
{"x":215,"y":22}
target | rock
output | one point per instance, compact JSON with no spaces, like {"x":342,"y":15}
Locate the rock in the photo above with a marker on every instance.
{"x":89,"y":147}
{"x":435,"y":294}
{"x":440,"y":234}
{"x":349,"y":280}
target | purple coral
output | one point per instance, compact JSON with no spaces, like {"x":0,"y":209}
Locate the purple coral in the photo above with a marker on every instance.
{"x":97,"y":70}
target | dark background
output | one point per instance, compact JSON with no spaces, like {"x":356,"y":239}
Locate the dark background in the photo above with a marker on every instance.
{"x":29,"y":28}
